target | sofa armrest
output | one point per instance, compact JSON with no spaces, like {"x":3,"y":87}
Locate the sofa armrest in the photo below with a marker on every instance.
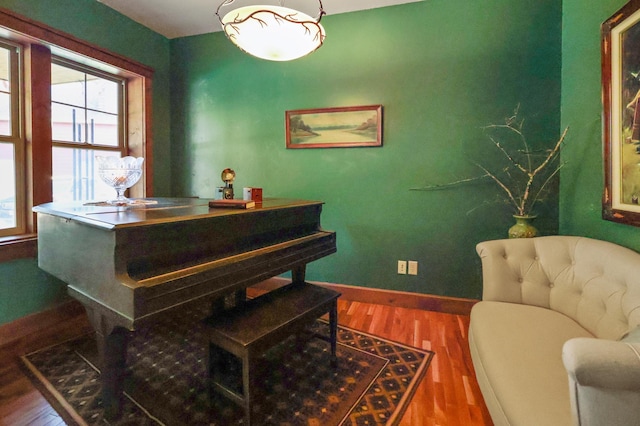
{"x":604,"y":381}
{"x":603,"y":363}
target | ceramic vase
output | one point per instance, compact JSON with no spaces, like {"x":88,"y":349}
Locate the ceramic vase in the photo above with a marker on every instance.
{"x":523,"y":227}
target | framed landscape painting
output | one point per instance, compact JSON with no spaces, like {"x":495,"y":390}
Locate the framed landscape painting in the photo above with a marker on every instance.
{"x":620,"y":47}
{"x":358,"y":126}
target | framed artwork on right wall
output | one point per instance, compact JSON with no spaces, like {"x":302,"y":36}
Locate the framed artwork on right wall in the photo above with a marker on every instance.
{"x":620,"y":47}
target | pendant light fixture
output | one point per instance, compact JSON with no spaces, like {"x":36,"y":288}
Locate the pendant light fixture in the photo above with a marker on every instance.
{"x":275,"y":33}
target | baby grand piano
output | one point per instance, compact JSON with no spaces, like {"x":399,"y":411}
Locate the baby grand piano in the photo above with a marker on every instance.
{"x":130,"y":265}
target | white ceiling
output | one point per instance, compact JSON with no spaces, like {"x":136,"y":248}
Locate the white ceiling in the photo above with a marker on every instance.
{"x":179,"y":18}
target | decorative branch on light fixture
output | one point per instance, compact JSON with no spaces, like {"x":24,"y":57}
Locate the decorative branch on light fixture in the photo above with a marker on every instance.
{"x":274,"y":33}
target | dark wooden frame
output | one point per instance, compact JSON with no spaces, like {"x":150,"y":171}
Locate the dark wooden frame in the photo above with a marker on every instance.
{"x":617,"y":95}
{"x":376,"y":110}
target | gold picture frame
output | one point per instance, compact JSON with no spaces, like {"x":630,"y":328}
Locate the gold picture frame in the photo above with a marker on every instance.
{"x":620,"y":48}
{"x":357,"y":126}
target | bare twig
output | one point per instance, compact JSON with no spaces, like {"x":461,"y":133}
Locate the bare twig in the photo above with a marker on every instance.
{"x":448,"y":184}
{"x":504,"y":187}
{"x":542,"y":187}
{"x":552,"y":154}
{"x":524,"y":187}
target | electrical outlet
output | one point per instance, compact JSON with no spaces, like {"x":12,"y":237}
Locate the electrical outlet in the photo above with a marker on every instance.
{"x":402,"y":267}
{"x":413,"y":267}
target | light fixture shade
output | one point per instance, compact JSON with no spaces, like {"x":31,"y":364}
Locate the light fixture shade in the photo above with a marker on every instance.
{"x":274,"y":33}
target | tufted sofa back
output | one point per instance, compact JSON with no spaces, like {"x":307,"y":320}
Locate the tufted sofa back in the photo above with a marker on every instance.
{"x":596,"y":283}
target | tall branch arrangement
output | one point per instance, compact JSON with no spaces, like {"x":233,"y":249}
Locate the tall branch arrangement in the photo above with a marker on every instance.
{"x":525,"y":177}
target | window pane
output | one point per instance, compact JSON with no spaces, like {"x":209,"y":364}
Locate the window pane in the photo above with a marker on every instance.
{"x":5,"y":114}
{"x":5,"y":90}
{"x":8,"y":187}
{"x":102,"y":95}
{"x":67,"y":86}
{"x":4,"y":69}
{"x":85,"y":107}
{"x":103,"y":129}
{"x":68,"y":123}
{"x":75,"y":175}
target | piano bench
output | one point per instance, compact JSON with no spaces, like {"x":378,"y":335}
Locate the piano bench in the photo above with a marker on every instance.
{"x":247,"y":331}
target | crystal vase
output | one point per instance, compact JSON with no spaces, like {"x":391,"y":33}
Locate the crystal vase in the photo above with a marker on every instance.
{"x":120,"y":174}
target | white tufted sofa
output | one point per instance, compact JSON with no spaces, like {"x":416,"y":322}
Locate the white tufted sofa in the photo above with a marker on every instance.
{"x":555,"y":339}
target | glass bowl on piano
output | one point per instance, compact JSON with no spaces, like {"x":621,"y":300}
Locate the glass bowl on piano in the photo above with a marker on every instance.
{"x":120,"y":174}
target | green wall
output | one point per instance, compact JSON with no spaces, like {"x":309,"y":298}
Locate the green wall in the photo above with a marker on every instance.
{"x":441,"y":70}
{"x":582,"y":180}
{"x":24,"y":288}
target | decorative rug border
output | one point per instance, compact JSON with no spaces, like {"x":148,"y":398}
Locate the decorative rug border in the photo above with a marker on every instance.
{"x":411,"y":390}
{"x":49,"y":392}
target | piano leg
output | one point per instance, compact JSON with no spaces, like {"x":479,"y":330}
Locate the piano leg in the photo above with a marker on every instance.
{"x":112,"y":344}
{"x":298,"y":274}
{"x":241,"y":296}
{"x":223,"y":303}
{"x":114,"y":371}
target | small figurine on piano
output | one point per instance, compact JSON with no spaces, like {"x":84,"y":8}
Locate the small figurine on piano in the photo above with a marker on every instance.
{"x":228,"y":176}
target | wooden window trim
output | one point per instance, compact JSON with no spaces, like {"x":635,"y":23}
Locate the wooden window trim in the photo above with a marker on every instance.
{"x":19,"y":247}
{"x":33,"y":31}
{"x":39,"y":42}
{"x":38,"y":128}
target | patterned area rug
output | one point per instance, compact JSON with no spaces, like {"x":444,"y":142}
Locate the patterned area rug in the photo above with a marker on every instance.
{"x":371,"y":385}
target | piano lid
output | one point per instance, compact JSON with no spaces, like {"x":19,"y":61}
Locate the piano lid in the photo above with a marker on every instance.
{"x":163,"y":211}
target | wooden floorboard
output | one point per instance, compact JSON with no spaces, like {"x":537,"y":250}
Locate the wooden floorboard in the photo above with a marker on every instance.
{"x":448,"y":394}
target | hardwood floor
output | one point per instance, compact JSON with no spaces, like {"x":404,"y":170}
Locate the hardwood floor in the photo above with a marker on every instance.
{"x":21,"y":403}
{"x":448,"y":395}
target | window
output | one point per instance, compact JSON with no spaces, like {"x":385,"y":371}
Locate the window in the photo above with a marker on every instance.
{"x":86,"y":121}
{"x":11,"y":142}
{"x":62,"y":102}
